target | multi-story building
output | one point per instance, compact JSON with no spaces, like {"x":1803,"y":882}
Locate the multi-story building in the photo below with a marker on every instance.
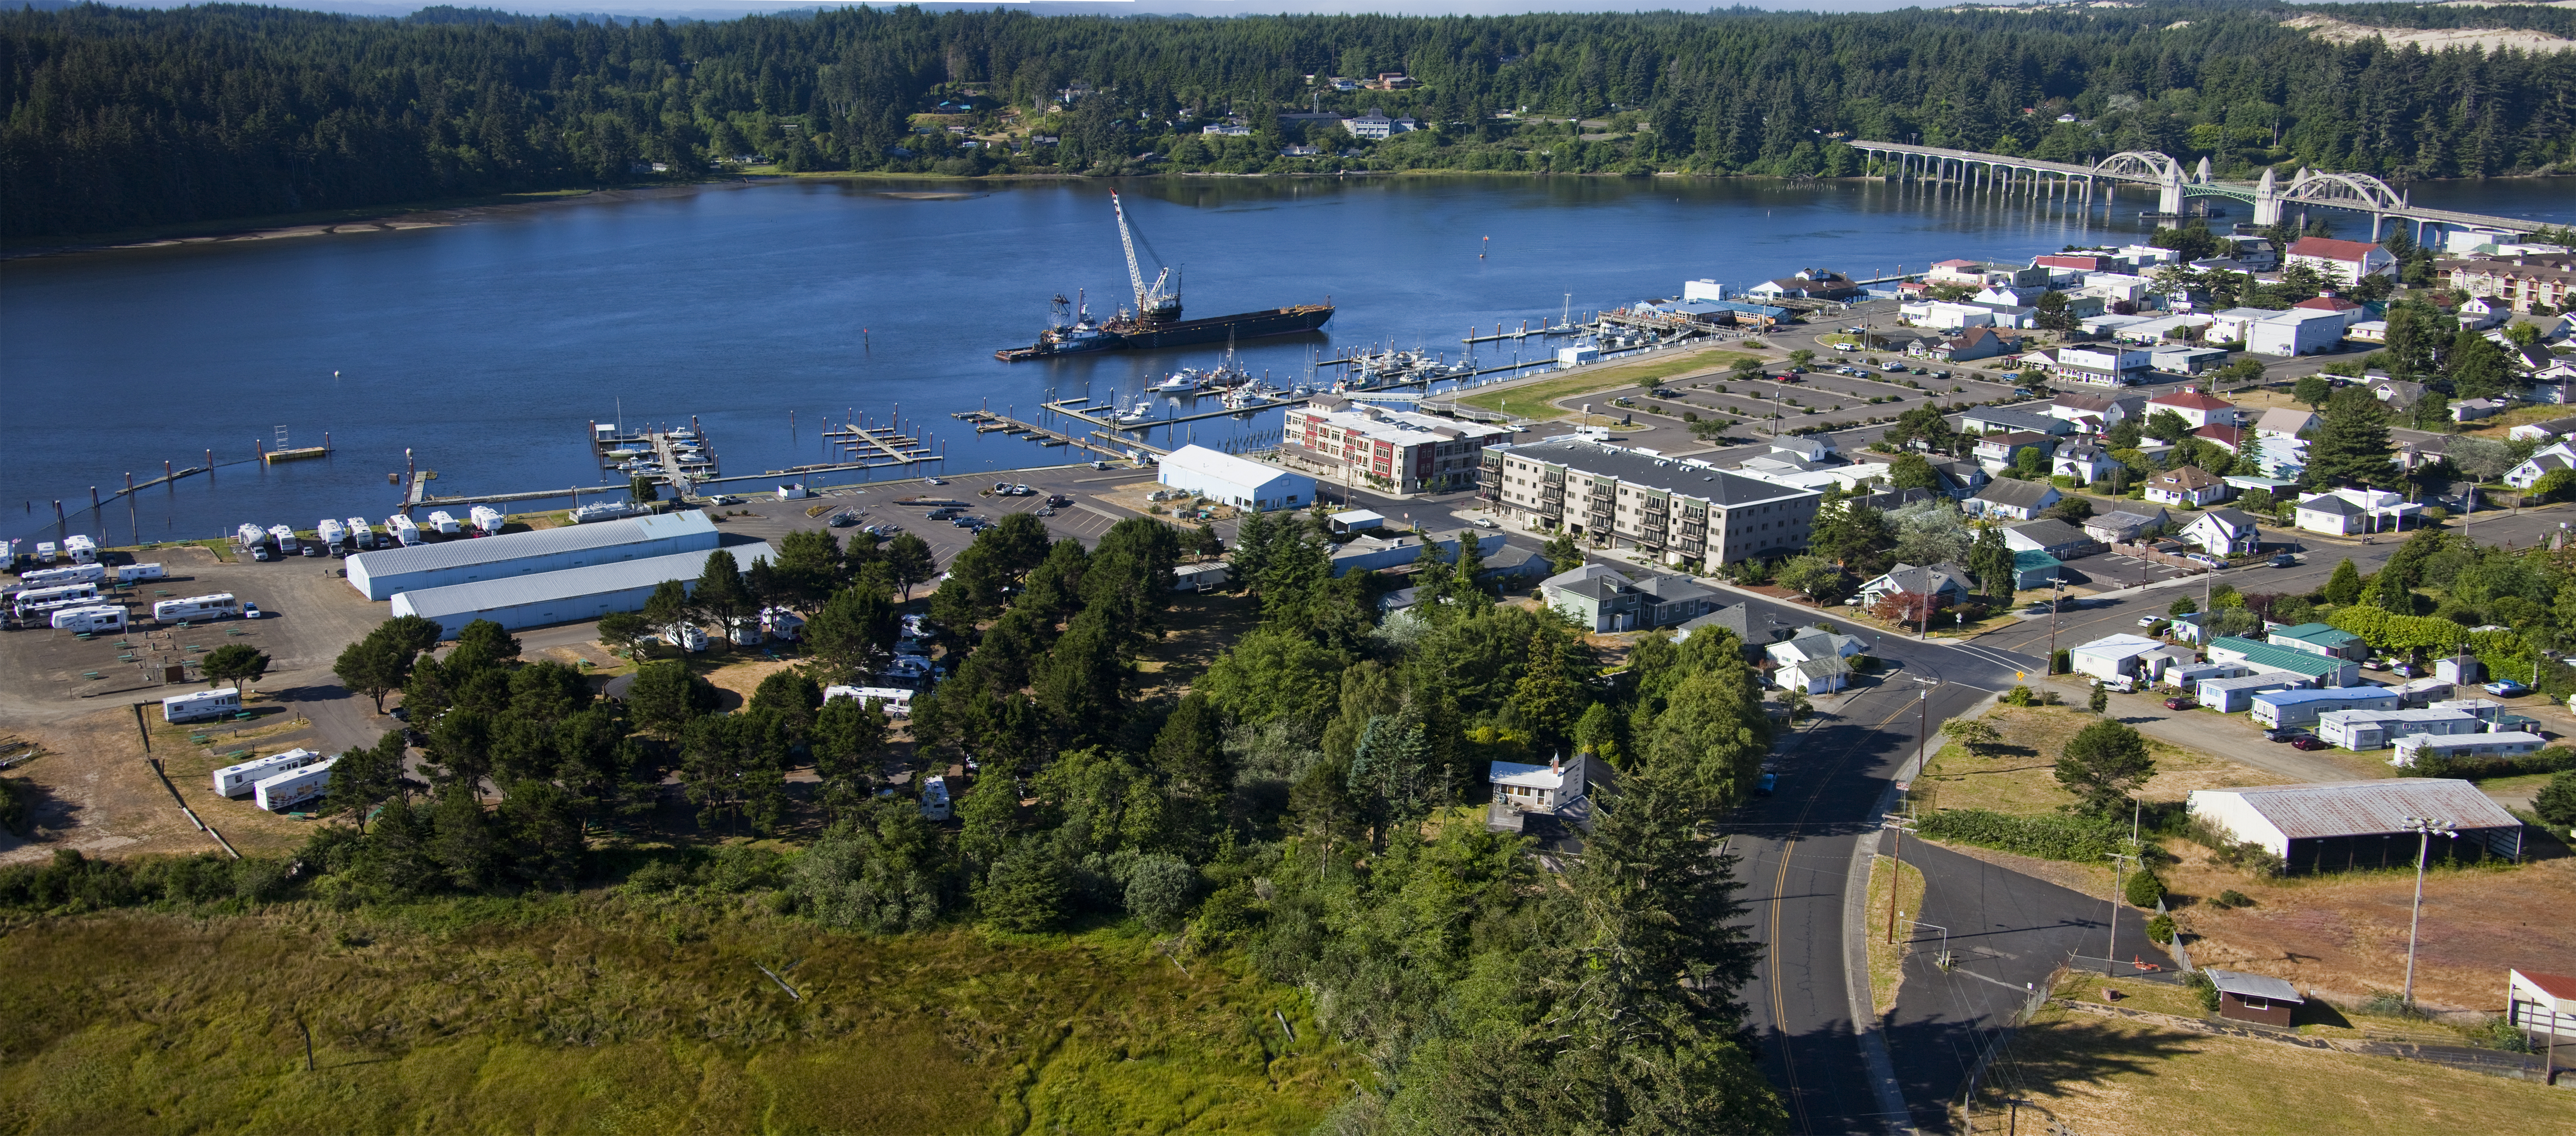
{"x":1681,"y":509}
{"x":2519,"y":280}
{"x":1402,"y":451}
{"x":2342,"y":262}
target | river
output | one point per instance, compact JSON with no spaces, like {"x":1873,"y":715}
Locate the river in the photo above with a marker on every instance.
{"x":487,"y":347}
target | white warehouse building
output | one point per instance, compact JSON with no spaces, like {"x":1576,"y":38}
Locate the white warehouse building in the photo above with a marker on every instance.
{"x":567,"y":596}
{"x":1230,"y":480}
{"x":384,"y":573}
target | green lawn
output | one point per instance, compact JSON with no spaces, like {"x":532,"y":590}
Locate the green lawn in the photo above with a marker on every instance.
{"x":1532,"y":399}
{"x":600,"y":1014}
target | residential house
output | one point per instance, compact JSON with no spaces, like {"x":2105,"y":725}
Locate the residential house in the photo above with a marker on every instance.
{"x":1375,"y":125}
{"x":2086,"y":464}
{"x":1949,"y":583}
{"x":2010,"y":295}
{"x":2353,"y":511}
{"x":2035,"y":570}
{"x":2124,"y":526}
{"x":2187,"y":485}
{"x":1961,"y":479}
{"x":1807,"y":284}
{"x":2003,"y":451}
{"x":1972,"y":344}
{"x":2121,"y":660}
{"x":2397,"y":393}
{"x":2052,"y":536}
{"x":2196,"y":408}
{"x":2005,"y":498}
{"x":2416,"y":448}
{"x":2235,"y":438}
{"x":1559,"y":792}
{"x":2542,"y":431}
{"x":2561,"y":455}
{"x":2320,"y":639}
{"x":2352,"y":313}
{"x":1813,"y":661}
{"x":1754,"y":630}
{"x":1606,"y":600}
{"x":2105,"y":365}
{"x":2285,"y":422}
{"x":1991,"y":419}
{"x":2474,"y":409}
{"x":2480,"y":312}
{"x":2342,"y":262}
{"x":2096,"y":413}
{"x":2224,"y":532}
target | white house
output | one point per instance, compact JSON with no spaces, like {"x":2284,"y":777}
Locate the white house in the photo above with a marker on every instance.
{"x":2341,"y":262}
{"x":2349,"y":512}
{"x":1994,"y":419}
{"x":2285,"y":422}
{"x":2095,"y":413}
{"x":2187,"y":485}
{"x":1813,"y":660}
{"x":2103,"y":364}
{"x":2015,"y":500}
{"x":1948,"y":581}
{"x":2224,"y":532}
{"x":2294,"y":332}
{"x":1376,"y":125}
{"x":1235,"y":481}
{"x":2196,"y":408}
{"x":2561,"y":455}
{"x":2114,"y":658}
{"x":2086,"y":464}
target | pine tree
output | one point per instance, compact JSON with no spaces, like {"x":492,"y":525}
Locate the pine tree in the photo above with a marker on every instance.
{"x":2352,"y":448}
{"x":2345,"y":586}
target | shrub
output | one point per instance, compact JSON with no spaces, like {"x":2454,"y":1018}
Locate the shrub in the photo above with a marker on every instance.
{"x":2079,"y":839}
{"x":2203,"y":989}
{"x":2234,"y":898}
{"x":1159,"y":889}
{"x":2555,"y":759}
{"x":2020,"y":696}
{"x":2143,"y":889}
{"x":2062,"y":662}
{"x":2161,"y":929}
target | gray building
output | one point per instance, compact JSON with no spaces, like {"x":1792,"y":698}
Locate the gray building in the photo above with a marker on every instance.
{"x":1603,"y":599}
{"x":379,"y":575}
{"x":569,"y":595}
{"x":1681,"y":509}
{"x":1755,"y":630}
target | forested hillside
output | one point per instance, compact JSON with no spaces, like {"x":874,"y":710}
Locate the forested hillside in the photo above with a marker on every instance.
{"x":122,"y":117}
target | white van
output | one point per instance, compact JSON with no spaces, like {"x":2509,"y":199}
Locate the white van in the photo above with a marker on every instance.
{"x":91,"y":620}
{"x":235,"y":780}
{"x":294,"y":787}
{"x":137,"y":573}
{"x":220,"y":605}
{"x":201,"y":705}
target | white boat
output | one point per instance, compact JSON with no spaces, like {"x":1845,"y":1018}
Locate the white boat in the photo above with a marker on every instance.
{"x":443,"y":523}
{"x":605,"y":511}
{"x":487,"y":519}
{"x":1183,"y":381}
{"x":1143,"y":411}
{"x":628,"y":452}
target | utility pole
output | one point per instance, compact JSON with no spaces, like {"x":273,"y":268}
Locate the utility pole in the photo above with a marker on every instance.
{"x":1896,"y":875}
{"x":2119,"y":895}
{"x":2056,"y":597}
{"x":2424,"y":828}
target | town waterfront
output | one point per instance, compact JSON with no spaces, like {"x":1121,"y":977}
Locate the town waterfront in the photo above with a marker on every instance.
{"x":486,"y":347}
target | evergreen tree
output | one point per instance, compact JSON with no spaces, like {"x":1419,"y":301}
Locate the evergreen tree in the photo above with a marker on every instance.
{"x":2351,"y":448}
{"x":1992,"y":561}
{"x":2345,"y":585}
{"x":2103,"y":763}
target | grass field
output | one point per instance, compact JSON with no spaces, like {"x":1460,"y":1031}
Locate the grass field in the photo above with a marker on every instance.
{"x":598,"y":1014}
{"x":2019,"y":776}
{"x":1886,"y":959}
{"x":2099,"y":1076}
{"x":1533,"y":400}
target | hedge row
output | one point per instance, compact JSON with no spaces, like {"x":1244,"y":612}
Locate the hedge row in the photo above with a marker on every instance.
{"x":2555,"y":759}
{"x":2046,"y":837}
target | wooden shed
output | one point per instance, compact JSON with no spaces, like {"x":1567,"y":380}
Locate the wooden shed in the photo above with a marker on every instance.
{"x":2254,"y":997}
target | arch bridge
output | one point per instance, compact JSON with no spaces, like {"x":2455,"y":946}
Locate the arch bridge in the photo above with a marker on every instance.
{"x":2360,"y":193}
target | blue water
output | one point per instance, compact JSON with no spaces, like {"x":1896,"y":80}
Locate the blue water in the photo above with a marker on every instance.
{"x":486,"y":348}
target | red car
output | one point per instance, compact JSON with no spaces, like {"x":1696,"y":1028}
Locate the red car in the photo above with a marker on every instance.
{"x":2309,"y":741}
{"x":2178,"y":702}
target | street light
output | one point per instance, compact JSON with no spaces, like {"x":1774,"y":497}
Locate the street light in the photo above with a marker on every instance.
{"x":2423,"y":828}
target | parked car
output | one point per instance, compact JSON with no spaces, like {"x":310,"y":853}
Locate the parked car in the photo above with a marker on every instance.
{"x":1767,"y":783}
{"x":2181,"y":702}
{"x":965,"y":522}
{"x":2309,"y":741}
{"x":2407,"y":670}
{"x":934,"y":481}
{"x":843,"y":520}
{"x":2284,"y":734}
{"x":2285,"y":560}
{"x":1486,"y":523}
{"x":250,"y":611}
{"x":724,"y":499}
{"x":2151,"y":621}
{"x":1059,"y":500}
{"x":2203,"y":558}
{"x":2501,"y":688}
{"x":1046,"y":510}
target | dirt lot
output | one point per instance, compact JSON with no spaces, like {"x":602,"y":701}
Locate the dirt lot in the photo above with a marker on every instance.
{"x":2019,"y":775}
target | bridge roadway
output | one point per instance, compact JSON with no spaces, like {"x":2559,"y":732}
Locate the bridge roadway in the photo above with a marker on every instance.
{"x":2359,"y":193}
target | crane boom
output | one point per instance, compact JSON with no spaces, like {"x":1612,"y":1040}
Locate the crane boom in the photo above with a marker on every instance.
{"x":1151,"y":302}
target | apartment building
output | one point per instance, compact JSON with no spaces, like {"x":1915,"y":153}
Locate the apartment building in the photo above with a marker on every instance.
{"x":1682,"y":509}
{"x":1401,"y":451}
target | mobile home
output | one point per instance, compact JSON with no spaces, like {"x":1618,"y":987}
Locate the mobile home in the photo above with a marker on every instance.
{"x":2279,"y":708}
{"x":81,"y":549}
{"x":2374,"y":729}
{"x":487,"y":520}
{"x":137,"y":573}
{"x":686,"y":636}
{"x":250,"y":534}
{"x":91,"y":620}
{"x":220,"y":605}
{"x":401,"y":529}
{"x":201,"y":705}
{"x":781,"y":623}
{"x":895,"y":701}
{"x":293,"y":787}
{"x":54,"y":577}
{"x":2512,"y":743}
{"x":235,"y":780}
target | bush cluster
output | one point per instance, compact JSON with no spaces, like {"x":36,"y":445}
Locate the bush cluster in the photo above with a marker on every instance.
{"x":2079,"y":839}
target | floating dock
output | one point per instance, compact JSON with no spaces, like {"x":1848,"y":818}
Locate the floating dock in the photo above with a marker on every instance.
{"x":676,"y":457}
{"x":987,"y":421}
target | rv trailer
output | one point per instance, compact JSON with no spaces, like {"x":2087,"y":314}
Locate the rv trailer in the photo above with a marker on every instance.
{"x":201,"y":705}
{"x":220,"y":605}
{"x":235,"y":780}
{"x":294,"y":787}
{"x":90,"y":620}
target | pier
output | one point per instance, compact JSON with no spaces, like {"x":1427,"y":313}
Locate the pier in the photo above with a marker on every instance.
{"x":982,"y":419}
{"x":1081,"y":408}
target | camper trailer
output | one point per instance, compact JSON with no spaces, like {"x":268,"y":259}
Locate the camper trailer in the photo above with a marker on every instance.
{"x":293,"y":787}
{"x":137,"y":573}
{"x":59,"y":596}
{"x":781,"y":623}
{"x":287,"y":545}
{"x":747,"y":631}
{"x":220,"y":605}
{"x":442,"y":524}
{"x":361,"y":538}
{"x":934,"y":798}
{"x":200,"y":706}
{"x":90,"y":620}
{"x":401,"y":530}
{"x":686,"y":636}
{"x":56,"y":577}
{"x":605,"y":511}
{"x":895,"y":701}
{"x":47,"y":552}
{"x":235,"y":780}
{"x":80,"y":549}
{"x":487,"y":520}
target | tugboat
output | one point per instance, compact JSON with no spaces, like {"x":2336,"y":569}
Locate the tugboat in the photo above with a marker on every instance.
{"x":1156,"y":320}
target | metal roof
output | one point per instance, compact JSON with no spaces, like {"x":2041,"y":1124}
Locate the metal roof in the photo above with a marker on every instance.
{"x":2276,"y":658}
{"x":539,"y":587}
{"x":2245,"y":985}
{"x":2328,"y":694}
{"x":389,"y":562}
{"x":2370,"y":808}
{"x":1241,"y":471}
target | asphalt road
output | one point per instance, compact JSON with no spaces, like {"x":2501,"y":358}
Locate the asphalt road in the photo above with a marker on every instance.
{"x":1797,"y":849}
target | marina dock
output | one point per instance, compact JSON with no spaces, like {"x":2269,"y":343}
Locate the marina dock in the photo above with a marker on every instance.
{"x":676,"y":458}
{"x":1083,"y":409}
{"x":987,"y":421}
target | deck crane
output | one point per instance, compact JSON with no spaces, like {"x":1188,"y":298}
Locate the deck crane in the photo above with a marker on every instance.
{"x":1153,"y":304}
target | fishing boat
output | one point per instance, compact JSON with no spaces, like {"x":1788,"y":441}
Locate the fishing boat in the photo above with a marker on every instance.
{"x":1143,"y":411}
{"x":628,"y":452}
